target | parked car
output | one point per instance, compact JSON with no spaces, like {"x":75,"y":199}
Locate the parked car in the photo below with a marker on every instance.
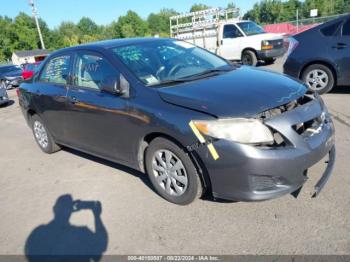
{"x":220,"y":32}
{"x":188,"y":118}
{"x":10,"y":76}
{"x":321,"y":55}
{"x":4,"y":99}
{"x":29,"y":70}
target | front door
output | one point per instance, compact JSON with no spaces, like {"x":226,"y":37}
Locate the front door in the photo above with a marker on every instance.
{"x":231,"y":42}
{"x":98,"y":120}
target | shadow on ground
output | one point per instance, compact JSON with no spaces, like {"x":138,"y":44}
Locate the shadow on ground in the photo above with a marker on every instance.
{"x":59,"y":240}
{"x":143,"y":177}
{"x":9,"y":103}
{"x":341,"y":90}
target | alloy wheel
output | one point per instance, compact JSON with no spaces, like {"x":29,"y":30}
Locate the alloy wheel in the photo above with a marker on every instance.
{"x":40,"y":134}
{"x":317,"y":79}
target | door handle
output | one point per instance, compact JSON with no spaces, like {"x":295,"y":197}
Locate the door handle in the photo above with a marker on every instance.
{"x":340,"y":46}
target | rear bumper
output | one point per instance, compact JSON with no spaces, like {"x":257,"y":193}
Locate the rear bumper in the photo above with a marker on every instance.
{"x":250,"y":173}
{"x":273,"y":53}
{"x":292,"y":68}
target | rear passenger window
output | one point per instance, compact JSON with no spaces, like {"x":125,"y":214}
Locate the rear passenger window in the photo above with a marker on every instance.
{"x":91,"y":70}
{"x":346,"y":28}
{"x":56,"y":70}
{"x":331,"y":29}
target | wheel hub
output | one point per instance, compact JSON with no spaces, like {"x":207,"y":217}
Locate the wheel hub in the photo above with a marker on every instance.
{"x":169,"y":172}
{"x":40,"y":134}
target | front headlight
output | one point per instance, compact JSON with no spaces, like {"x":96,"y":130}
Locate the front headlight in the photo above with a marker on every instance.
{"x":266,"y":45}
{"x":241,"y":130}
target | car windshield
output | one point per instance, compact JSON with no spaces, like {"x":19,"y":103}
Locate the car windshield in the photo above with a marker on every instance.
{"x":251,"y":28}
{"x":169,"y":61}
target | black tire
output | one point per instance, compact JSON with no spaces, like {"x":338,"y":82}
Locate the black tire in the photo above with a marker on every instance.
{"x":322,"y":68}
{"x":269,"y":61}
{"x":51,"y":146}
{"x":249,"y":58}
{"x":194,"y":187}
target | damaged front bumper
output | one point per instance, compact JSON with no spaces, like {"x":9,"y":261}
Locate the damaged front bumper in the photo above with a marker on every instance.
{"x":255,"y":173}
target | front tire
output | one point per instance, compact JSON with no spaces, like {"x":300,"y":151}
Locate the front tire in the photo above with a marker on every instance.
{"x":172,"y":172}
{"x":42,"y":136}
{"x":319,"y":78}
{"x":249,"y":58}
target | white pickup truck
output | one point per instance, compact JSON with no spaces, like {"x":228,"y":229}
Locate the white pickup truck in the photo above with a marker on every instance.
{"x":221,"y":32}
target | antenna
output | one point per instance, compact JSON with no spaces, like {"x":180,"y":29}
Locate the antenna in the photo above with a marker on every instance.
{"x":35,"y":15}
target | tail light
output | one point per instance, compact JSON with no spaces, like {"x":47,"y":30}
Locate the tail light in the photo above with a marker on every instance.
{"x":293,"y":44}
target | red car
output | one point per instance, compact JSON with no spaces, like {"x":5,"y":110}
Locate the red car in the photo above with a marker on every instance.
{"x":29,"y":70}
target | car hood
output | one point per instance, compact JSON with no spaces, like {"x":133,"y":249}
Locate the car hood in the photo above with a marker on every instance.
{"x":266,"y":36}
{"x":243,"y":92}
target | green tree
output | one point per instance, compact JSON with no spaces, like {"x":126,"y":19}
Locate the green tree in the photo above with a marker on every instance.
{"x":130,"y":25}
{"x":159,"y":23}
{"x":199,"y":7}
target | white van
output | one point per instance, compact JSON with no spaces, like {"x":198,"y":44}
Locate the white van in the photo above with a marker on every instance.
{"x":231,"y":38}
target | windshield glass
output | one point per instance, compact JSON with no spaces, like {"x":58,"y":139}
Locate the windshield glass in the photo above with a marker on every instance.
{"x":251,"y":28}
{"x":168,"y":60}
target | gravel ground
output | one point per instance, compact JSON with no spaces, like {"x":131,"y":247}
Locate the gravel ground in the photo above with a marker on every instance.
{"x":138,"y":221}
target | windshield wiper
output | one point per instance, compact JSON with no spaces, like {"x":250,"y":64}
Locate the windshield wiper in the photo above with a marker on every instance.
{"x":193,"y":77}
{"x":169,"y":82}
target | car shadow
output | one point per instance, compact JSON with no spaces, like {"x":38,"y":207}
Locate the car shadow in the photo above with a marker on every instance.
{"x":341,"y":90}
{"x":143,"y":177}
{"x":58,"y":240}
{"x":9,"y":103}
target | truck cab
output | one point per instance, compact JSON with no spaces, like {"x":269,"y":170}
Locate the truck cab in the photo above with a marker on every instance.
{"x":221,"y":31}
{"x":248,"y":42}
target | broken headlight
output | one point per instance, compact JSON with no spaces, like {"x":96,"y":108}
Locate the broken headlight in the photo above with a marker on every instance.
{"x":241,"y":130}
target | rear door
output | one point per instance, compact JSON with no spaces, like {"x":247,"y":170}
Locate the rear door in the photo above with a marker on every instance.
{"x":49,"y":92}
{"x":340,"y":51}
{"x":97,"y":120}
{"x":231,"y":42}
{"x":343,"y":47}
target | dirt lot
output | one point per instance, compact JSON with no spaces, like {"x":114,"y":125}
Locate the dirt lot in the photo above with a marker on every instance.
{"x":138,"y":221}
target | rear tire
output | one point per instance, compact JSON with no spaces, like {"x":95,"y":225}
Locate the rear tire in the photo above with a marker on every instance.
{"x":249,"y":58}
{"x":172,"y":172}
{"x":319,"y":78}
{"x":42,"y":136}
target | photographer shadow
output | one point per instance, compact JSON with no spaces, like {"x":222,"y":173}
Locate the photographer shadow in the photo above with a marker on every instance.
{"x":60,"y":241}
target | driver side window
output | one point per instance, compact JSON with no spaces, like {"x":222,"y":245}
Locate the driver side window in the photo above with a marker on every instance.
{"x":231,"y":31}
{"x":91,"y":70}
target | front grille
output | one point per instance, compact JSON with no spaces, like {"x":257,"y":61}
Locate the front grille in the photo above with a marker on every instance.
{"x":301,"y":129}
{"x":277,"y":43}
{"x":286,"y":107}
{"x":311,"y":127}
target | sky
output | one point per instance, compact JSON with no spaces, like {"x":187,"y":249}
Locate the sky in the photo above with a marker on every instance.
{"x":105,"y":11}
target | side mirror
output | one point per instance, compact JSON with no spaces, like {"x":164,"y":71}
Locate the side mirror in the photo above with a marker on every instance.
{"x":116,"y":85}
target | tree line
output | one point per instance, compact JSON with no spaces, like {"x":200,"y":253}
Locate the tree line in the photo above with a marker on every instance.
{"x":20,"y":32}
{"x":276,"y":11}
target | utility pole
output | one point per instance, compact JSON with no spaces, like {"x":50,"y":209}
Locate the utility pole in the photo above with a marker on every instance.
{"x":297,"y":20}
{"x":35,"y":15}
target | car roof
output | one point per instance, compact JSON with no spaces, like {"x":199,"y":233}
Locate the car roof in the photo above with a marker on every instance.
{"x":107,"y":44}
